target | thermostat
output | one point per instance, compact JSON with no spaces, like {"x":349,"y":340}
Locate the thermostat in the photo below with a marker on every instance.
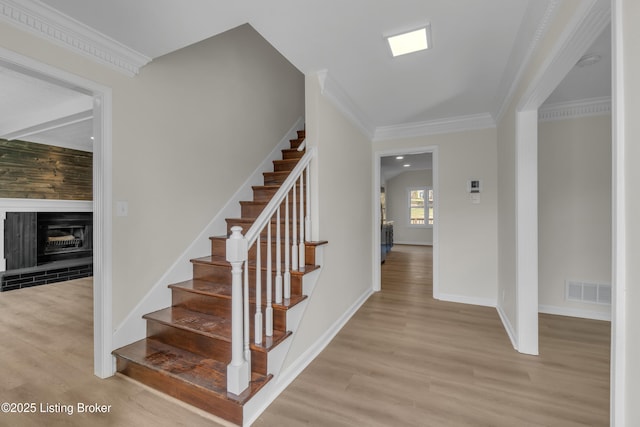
{"x":474,"y":186}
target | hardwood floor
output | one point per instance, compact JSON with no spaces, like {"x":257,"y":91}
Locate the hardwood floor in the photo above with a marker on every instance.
{"x":407,"y":360}
{"x":46,"y":357}
{"x":403,"y":360}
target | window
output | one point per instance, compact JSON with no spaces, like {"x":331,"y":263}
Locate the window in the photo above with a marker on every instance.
{"x":421,"y":206}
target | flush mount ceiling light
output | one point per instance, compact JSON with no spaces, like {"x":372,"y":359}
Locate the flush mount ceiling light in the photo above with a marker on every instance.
{"x":410,"y":42}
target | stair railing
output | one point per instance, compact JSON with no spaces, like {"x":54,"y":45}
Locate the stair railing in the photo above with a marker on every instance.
{"x":296,"y":232}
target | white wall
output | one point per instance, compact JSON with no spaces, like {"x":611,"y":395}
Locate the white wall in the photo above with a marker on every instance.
{"x":187,"y":132}
{"x":344,"y":218}
{"x":574,"y":211}
{"x":630,"y":87}
{"x":507,"y":152}
{"x":467,"y":242}
{"x":398,"y":208}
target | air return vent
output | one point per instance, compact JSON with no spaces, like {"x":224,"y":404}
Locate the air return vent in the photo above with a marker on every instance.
{"x":594,"y":293}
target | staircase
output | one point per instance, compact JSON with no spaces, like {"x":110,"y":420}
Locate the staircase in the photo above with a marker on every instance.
{"x":189,"y":345}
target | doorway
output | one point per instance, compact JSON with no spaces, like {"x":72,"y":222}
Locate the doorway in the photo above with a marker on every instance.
{"x":102,"y":105}
{"x":378,"y":178}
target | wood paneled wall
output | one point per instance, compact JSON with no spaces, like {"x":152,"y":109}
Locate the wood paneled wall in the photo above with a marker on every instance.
{"x":36,"y":171}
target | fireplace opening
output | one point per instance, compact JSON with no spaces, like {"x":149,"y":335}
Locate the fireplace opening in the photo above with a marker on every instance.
{"x":46,"y":247}
{"x":63,"y":236}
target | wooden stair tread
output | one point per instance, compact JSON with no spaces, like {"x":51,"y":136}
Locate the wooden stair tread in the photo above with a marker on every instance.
{"x":316,"y":242}
{"x":263,"y":242}
{"x":205,"y":324}
{"x":286,"y":161}
{"x":292,"y":153}
{"x":272,"y":186}
{"x":204,"y":287}
{"x":209,"y":325}
{"x":262,"y":202}
{"x":249,"y":221}
{"x":223,"y":290}
{"x":198,"y":371}
{"x":220,"y":260}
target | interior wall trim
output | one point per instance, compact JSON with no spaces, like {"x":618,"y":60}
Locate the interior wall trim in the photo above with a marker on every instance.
{"x":575,"y":110}
{"x":64,"y":31}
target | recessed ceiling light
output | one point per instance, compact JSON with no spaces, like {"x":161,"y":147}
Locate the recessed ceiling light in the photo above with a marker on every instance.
{"x":92,"y":138}
{"x":399,"y":157}
{"x":410,"y":42}
{"x":406,"y":165}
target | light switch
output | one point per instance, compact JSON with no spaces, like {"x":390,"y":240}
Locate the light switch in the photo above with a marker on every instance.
{"x":122,"y":208}
{"x":475,"y":198}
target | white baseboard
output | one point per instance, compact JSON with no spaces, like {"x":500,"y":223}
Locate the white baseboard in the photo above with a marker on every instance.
{"x":133,"y":327}
{"x":413,"y":243}
{"x":463,"y":299}
{"x":507,"y":327}
{"x":574,"y":312}
{"x":286,"y":377}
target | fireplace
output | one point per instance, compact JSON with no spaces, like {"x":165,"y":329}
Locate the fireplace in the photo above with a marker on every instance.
{"x":63,"y":235}
{"x":46,"y":247}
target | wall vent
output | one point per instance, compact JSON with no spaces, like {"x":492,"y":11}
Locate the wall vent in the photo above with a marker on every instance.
{"x":594,"y":293}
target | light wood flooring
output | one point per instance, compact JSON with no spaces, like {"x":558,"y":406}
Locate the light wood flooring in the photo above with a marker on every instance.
{"x":403,"y":360}
{"x":46,"y":357}
{"x":406,"y":359}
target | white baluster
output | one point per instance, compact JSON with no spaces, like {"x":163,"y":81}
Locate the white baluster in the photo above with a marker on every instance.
{"x":278,"y":259}
{"x":245,"y":311}
{"x":307,"y":220}
{"x":238,"y":368}
{"x":287,"y":250}
{"x":268,"y":313}
{"x":301,"y":260}
{"x":258,"y":317}
{"x":294,"y":245}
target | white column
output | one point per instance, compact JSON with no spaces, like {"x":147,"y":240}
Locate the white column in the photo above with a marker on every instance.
{"x":527,"y":231}
{"x":238,"y":369}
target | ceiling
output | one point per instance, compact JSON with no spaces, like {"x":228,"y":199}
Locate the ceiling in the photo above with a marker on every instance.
{"x":460,"y":76}
{"x":392,"y":166}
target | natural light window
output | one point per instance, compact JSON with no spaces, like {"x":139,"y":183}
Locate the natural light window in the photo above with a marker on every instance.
{"x":420,"y":206}
{"x":410,"y":42}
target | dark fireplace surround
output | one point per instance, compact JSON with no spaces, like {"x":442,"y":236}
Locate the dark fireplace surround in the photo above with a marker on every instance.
{"x":46,"y":247}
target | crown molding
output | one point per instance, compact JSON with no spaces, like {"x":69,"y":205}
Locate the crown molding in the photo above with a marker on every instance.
{"x":527,"y":42}
{"x":576,"y":109}
{"x":330,"y":89}
{"x":433,"y":127}
{"x":51,"y":25}
{"x":588,"y":22}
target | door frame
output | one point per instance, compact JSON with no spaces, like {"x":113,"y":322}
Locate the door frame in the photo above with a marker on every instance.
{"x":104,"y":364}
{"x":376,"y":256}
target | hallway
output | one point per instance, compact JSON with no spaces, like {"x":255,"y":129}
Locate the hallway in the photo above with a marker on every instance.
{"x":407,"y":359}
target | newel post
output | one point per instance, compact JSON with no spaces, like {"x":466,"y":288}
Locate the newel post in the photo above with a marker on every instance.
{"x":238,"y":370}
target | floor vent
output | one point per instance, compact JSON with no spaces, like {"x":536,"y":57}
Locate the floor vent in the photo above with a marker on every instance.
{"x":595,"y":293}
